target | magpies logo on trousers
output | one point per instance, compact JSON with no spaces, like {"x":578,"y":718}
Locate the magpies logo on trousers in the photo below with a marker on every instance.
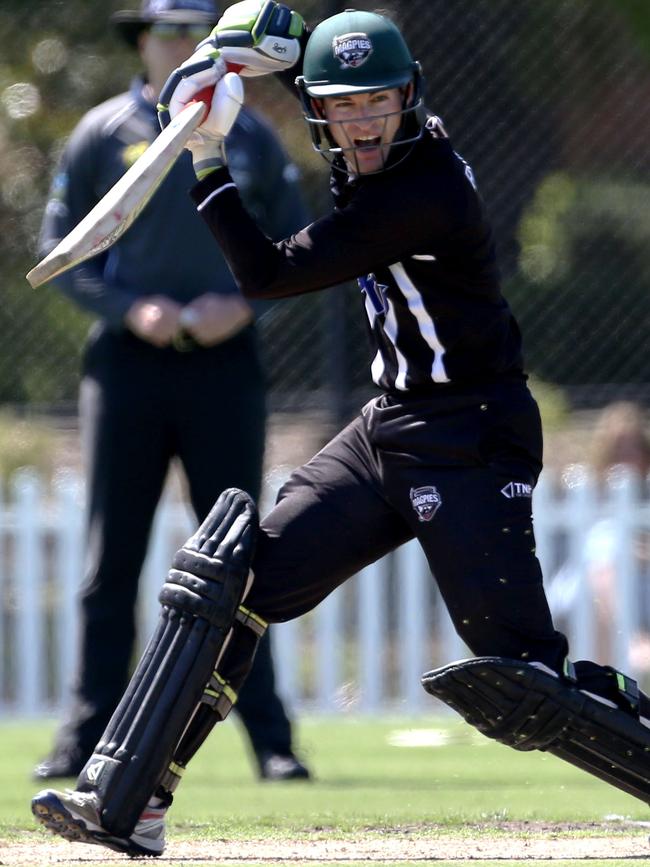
{"x":426,"y":501}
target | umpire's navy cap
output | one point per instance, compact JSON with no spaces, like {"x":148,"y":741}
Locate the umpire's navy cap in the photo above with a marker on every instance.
{"x":129,"y":22}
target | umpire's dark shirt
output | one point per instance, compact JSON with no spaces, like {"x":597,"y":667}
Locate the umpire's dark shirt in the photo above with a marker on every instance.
{"x":169,"y":250}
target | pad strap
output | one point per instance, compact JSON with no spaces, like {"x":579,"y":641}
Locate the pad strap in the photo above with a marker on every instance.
{"x":629,"y":693}
{"x":251,"y":620}
{"x":219,"y":696}
{"x":172,"y":777}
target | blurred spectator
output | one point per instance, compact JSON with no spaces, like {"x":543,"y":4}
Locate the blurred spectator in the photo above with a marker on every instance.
{"x":619,"y":449}
{"x":620,"y":438}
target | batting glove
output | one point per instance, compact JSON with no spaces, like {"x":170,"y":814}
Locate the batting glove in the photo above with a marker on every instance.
{"x":207,"y":143}
{"x":202,"y":70}
{"x":257,"y":37}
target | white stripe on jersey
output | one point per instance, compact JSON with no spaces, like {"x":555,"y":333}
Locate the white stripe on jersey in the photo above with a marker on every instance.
{"x":377,"y":367}
{"x":425,"y":322}
{"x":214,"y":193}
{"x":390,"y":330}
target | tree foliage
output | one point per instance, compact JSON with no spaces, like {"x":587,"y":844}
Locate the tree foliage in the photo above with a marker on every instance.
{"x":637,"y":15}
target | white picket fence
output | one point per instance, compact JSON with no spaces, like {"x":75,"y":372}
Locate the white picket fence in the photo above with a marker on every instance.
{"x":364,"y":648}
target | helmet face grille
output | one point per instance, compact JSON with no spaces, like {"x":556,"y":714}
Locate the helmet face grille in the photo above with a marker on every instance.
{"x":344,"y":157}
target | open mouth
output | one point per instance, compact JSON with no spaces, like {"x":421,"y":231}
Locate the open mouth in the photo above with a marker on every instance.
{"x":367,"y":143}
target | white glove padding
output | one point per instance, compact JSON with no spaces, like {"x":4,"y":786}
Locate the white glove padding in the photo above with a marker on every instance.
{"x":203,"y":69}
{"x":207,"y":142}
{"x":227,"y":99}
{"x":258,"y":37}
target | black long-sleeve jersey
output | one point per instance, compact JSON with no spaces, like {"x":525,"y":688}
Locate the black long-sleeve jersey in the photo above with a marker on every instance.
{"x":416,"y":238}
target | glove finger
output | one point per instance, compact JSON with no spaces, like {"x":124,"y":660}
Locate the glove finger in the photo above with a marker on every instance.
{"x":188,"y":88}
{"x":267,"y":13}
{"x":205,"y":51}
{"x":178,"y":75}
{"x":280,"y":21}
{"x":205,"y":66}
{"x":198,"y":67}
{"x":226,"y":102}
{"x":230,"y":86}
{"x":233,"y":39}
{"x":165,"y":95}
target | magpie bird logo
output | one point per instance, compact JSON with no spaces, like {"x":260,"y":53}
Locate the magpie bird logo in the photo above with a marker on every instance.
{"x":352,"y":50}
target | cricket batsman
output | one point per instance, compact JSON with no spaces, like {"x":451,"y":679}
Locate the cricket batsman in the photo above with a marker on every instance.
{"x":449,"y":453}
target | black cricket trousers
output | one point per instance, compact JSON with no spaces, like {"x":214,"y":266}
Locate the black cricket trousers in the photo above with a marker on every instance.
{"x":454,"y":469}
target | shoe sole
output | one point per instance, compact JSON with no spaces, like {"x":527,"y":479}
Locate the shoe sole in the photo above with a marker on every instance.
{"x":50,"y":812}
{"x":284,"y":778}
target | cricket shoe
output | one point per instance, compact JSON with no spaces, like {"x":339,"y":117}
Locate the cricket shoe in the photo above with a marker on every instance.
{"x":75,"y":816}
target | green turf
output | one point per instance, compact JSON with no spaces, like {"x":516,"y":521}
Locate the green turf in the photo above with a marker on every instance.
{"x":364,"y":785}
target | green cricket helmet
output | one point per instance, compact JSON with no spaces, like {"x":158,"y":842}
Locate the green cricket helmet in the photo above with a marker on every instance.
{"x":359,"y":52}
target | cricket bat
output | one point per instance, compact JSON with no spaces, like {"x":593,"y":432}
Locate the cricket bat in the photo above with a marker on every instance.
{"x":117,"y":210}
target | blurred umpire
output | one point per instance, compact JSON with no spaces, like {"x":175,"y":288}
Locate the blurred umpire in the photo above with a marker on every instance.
{"x":171,"y":370}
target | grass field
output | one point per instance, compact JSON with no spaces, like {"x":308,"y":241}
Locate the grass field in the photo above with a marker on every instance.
{"x":388,"y":792}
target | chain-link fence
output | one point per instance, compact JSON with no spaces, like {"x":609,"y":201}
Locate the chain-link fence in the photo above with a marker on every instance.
{"x":547,"y":99}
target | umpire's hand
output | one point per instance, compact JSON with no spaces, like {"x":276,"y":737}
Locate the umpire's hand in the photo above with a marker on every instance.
{"x":213,"y":318}
{"x":155,"y":319}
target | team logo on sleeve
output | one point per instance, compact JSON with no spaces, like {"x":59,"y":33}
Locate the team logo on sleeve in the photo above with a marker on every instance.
{"x":352,"y":49}
{"x":426,"y":501}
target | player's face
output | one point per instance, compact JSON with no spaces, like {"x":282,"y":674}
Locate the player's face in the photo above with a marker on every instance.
{"x":364,"y":125}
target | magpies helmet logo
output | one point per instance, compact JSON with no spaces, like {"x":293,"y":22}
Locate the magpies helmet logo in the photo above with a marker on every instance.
{"x":352,"y":49}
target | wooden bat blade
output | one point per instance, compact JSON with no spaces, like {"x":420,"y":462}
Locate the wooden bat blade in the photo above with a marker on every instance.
{"x":117,"y":210}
